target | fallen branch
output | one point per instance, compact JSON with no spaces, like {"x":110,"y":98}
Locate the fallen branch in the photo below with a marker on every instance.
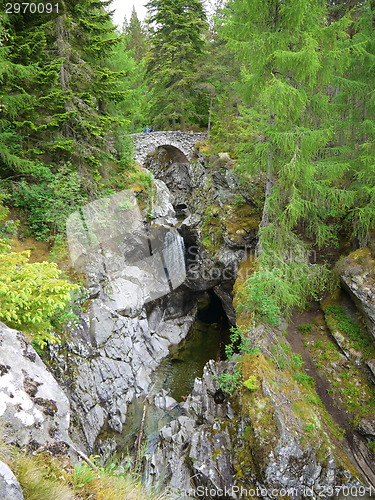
{"x":83,"y":456}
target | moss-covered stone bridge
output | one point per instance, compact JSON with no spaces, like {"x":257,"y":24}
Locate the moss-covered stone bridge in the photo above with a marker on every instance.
{"x":181,"y":144}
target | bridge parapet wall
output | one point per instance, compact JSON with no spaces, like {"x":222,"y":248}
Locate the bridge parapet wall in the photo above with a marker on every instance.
{"x":146,"y":143}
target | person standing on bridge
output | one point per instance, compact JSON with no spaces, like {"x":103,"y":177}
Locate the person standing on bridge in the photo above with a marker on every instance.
{"x":152,"y":129}
{"x":146,"y":130}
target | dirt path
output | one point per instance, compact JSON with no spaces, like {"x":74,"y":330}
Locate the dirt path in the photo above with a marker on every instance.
{"x":354,"y":443}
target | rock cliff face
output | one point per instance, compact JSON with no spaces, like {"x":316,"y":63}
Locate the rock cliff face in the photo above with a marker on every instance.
{"x":9,"y":486}
{"x":115,"y":365}
{"x":33,"y":407}
{"x":135,"y":315}
{"x":256,"y":444}
{"x":358,"y":277}
{"x":197,"y":449}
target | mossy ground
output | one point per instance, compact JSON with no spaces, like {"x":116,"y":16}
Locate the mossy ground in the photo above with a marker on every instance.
{"x":350,"y":386}
{"x":285,"y":395}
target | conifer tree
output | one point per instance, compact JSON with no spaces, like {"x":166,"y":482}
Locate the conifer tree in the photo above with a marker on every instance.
{"x":135,"y":36}
{"x":71,"y":85}
{"x":176,"y":29}
{"x":57,"y":69}
{"x":291,"y":58}
{"x":12,"y":100}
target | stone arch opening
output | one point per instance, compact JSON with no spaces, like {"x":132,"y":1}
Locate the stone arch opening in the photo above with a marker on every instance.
{"x":170,"y":165}
{"x":170,"y":154}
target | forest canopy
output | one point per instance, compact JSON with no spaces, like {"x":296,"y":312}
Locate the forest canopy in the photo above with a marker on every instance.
{"x":285,"y":87}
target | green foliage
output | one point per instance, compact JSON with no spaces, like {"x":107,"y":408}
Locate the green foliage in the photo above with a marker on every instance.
{"x":83,"y":474}
{"x":9,"y":228}
{"x":238,"y":201}
{"x":229,"y":382}
{"x":304,"y":379}
{"x":49,"y":203}
{"x":312,"y":397}
{"x":239,"y":342}
{"x":251,"y":383}
{"x":307,"y":328}
{"x":284,"y":279}
{"x":258,"y":302}
{"x":67,"y":85}
{"x":31,"y":294}
{"x":309,"y":428}
{"x":302,"y":104}
{"x":344,"y":323}
{"x":175,"y":32}
{"x":135,"y":36}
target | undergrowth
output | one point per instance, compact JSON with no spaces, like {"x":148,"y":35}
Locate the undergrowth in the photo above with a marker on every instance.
{"x":43,"y":476}
{"x":338,"y":319}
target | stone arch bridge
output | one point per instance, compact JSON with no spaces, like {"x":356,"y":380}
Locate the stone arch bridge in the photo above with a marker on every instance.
{"x":181,"y":143}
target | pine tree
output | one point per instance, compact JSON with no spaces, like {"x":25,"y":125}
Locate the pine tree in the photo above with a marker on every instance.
{"x":133,"y":110}
{"x":292,"y":57}
{"x":176,"y":28}
{"x":56,"y":69}
{"x":135,"y":36}
{"x":12,"y":100}
{"x":71,"y":84}
{"x":218,"y":73}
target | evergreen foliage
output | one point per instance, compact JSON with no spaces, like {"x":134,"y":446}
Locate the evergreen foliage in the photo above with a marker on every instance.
{"x":135,"y":36}
{"x":176,"y":36}
{"x":68,"y":90}
{"x":304,"y":105}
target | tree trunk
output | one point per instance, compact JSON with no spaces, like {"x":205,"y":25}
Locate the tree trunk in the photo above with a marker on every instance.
{"x":267,"y":193}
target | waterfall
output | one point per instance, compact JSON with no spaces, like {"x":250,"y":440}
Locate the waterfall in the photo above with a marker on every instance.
{"x":107,"y":237}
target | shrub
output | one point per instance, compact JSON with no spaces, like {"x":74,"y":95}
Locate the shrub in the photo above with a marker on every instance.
{"x":251,"y":383}
{"x":229,"y":382}
{"x":31,"y":294}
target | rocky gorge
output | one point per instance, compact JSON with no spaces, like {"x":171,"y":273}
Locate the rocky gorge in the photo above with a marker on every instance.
{"x":195,"y":239}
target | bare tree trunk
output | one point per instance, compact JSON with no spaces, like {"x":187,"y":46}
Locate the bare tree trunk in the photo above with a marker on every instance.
{"x":182,"y":121}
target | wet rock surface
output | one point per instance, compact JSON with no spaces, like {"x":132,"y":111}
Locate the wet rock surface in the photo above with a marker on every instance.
{"x":197,"y":448}
{"x":207,"y":449}
{"x":358,"y":278}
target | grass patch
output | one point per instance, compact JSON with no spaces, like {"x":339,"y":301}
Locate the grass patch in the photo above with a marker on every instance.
{"x":308,"y":328}
{"x":304,"y":379}
{"x":43,"y":476}
{"x":337,"y":319}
